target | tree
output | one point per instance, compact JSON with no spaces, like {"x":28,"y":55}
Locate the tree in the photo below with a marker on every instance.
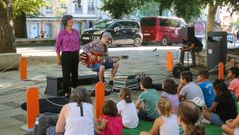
{"x":22,"y":9}
{"x":120,"y":8}
{"x":163,"y":5}
{"x":17,"y":10}
{"x":187,"y":9}
{"x":7,"y":38}
{"x":148,"y":9}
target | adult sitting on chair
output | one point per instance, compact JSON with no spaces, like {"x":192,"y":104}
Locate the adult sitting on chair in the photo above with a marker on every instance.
{"x":101,"y":47}
{"x":193,"y":45}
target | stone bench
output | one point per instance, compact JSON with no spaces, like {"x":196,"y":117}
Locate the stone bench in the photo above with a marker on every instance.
{"x":35,"y":41}
{"x":9,"y":61}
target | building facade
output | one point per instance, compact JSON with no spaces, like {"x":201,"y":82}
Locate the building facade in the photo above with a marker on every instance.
{"x":49,"y":22}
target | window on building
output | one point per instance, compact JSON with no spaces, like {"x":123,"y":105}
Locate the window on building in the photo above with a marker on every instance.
{"x":78,"y":9}
{"x":91,"y":8}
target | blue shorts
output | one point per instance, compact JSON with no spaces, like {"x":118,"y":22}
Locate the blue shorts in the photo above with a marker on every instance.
{"x":215,"y":119}
{"x":107,"y":64}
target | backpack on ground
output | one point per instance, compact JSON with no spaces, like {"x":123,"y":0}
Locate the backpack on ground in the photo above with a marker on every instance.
{"x":44,"y":121}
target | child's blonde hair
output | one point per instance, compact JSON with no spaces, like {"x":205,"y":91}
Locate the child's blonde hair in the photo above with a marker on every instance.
{"x":165,"y":107}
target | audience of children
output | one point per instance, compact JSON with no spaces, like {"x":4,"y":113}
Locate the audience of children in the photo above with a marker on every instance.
{"x":147,"y":101}
{"x":111,"y":123}
{"x":76,"y":116}
{"x":231,"y":127}
{"x":166,"y":124}
{"x":127,"y":109}
{"x":206,"y":86}
{"x":170,"y":93}
{"x":234,"y":81}
{"x":223,"y":108}
{"x":189,"y":118}
{"x":190,"y":90}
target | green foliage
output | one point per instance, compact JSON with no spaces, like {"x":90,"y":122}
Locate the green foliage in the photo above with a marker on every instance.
{"x":120,"y":8}
{"x":149,"y":9}
{"x":29,"y":7}
{"x":188,"y":9}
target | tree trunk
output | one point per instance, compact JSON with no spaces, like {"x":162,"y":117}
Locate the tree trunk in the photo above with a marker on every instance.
{"x":20,"y":26}
{"x":212,"y":9}
{"x":160,"y":9}
{"x":7,"y":38}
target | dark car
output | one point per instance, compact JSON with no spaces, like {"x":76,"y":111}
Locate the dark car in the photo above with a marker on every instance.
{"x":122,"y":32}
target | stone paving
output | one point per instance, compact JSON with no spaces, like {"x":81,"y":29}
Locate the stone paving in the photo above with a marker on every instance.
{"x":41,"y":63}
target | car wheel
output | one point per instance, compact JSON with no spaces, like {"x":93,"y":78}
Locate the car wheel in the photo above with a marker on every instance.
{"x":137,"y":41}
{"x":164,"y":41}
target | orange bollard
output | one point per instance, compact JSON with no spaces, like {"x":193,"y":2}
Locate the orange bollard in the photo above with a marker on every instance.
{"x":32,"y":106}
{"x":221,"y":71}
{"x":232,"y":63}
{"x":99,"y":99}
{"x":23,"y":68}
{"x":170,"y":61}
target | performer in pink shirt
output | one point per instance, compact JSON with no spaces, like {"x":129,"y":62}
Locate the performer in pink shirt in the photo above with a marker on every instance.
{"x":67,"y":49}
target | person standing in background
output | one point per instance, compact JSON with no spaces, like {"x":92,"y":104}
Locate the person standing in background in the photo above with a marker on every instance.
{"x":67,"y":49}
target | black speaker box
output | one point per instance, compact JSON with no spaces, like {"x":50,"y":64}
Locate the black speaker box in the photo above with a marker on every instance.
{"x":188,"y":33}
{"x":55,"y":87}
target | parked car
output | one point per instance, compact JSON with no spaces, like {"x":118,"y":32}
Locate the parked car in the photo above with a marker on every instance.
{"x":122,"y":32}
{"x":165,"y":30}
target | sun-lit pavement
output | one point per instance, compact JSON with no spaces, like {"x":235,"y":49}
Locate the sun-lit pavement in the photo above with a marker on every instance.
{"x":41,"y":63}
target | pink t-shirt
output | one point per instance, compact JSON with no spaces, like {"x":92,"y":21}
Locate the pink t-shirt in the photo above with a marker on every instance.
{"x":234,"y":86}
{"x":114,"y":126}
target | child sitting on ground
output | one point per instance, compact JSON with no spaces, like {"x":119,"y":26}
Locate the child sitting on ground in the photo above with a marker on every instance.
{"x":234,"y":84}
{"x":189,"y":118}
{"x":190,"y":90}
{"x":231,"y":126}
{"x":111,"y":123}
{"x":206,"y":86}
{"x":170,"y":93}
{"x":223,"y":108}
{"x":147,"y":101}
{"x":127,"y":109}
{"x":166,"y":124}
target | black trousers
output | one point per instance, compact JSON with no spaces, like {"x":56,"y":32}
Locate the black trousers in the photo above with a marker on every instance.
{"x":192,"y":51}
{"x":69,"y":64}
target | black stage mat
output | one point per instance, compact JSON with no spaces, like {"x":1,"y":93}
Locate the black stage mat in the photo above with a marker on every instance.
{"x":46,"y":106}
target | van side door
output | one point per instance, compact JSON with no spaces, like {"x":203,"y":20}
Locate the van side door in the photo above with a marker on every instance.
{"x":165,"y":29}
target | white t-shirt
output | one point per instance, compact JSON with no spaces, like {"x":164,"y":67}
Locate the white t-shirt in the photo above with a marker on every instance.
{"x":77,"y":124}
{"x":129,"y":114}
{"x":170,"y":126}
{"x":192,"y":90}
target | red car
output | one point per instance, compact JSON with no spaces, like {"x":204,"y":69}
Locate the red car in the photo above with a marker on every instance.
{"x":165,"y":30}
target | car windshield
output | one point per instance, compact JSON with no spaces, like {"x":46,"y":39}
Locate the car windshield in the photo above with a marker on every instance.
{"x":103,"y":24}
